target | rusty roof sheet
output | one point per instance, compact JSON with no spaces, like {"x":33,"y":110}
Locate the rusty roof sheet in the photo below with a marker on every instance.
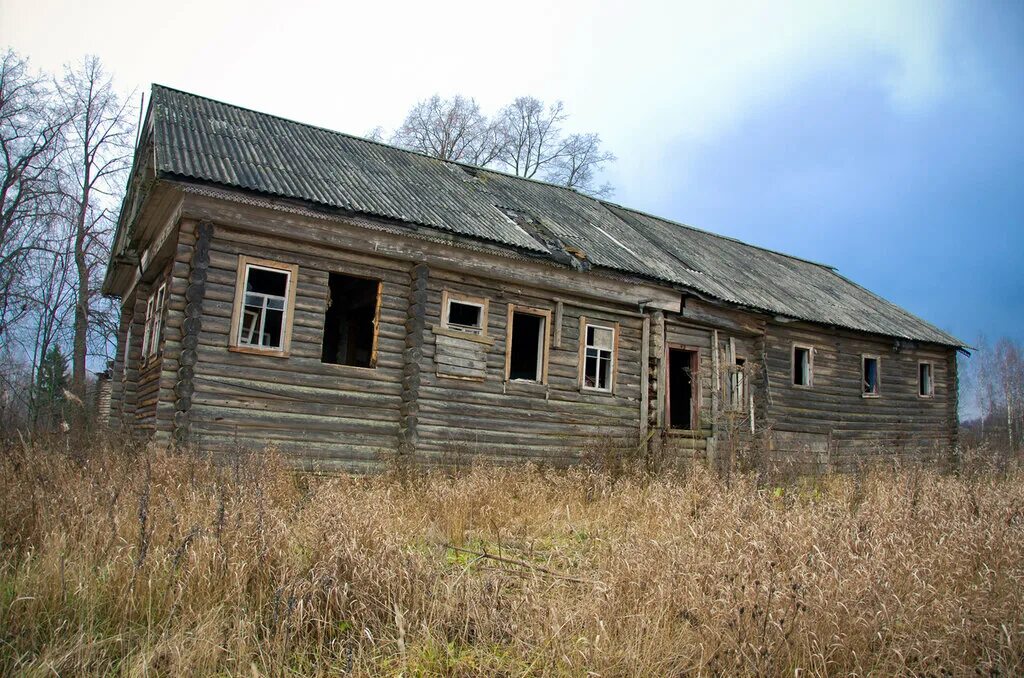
{"x":206,"y":140}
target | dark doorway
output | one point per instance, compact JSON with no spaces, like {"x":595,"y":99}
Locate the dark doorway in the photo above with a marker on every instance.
{"x":351,"y":320}
{"x":682,"y":370}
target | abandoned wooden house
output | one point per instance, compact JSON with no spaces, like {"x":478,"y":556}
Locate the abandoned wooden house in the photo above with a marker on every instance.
{"x":337,"y":297}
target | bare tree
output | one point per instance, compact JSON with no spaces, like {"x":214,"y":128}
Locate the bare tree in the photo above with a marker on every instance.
{"x":525,"y":138}
{"x":530,"y":134}
{"x":580,"y":160}
{"x":449,"y":129}
{"x":30,"y":136}
{"x":98,"y":141}
{"x":998,"y":379}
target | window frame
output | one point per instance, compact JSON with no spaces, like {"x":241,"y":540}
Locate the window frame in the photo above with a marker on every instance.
{"x":245,"y":263}
{"x":810,"y":366}
{"x":544,"y":347}
{"x":931,"y":375}
{"x":877,"y":393}
{"x":583,"y":346}
{"x":153,"y":325}
{"x":447,"y":297}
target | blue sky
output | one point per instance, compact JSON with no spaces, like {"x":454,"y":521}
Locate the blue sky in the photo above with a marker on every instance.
{"x":883,"y":138}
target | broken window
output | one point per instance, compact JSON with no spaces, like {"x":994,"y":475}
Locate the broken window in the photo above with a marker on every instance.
{"x":802,"y":366}
{"x":464,"y":314}
{"x":925,"y":383}
{"x":682,"y":389}
{"x":350,"y":323}
{"x":598,"y":357}
{"x":153,"y":325}
{"x":264,"y":304}
{"x":526,"y":345}
{"x":869,"y":369}
{"x":738,"y":385}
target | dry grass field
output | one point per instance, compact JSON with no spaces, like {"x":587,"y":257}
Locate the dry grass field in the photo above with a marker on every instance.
{"x":136,"y":562}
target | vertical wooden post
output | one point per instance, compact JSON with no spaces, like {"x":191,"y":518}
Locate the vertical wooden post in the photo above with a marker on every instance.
{"x":190,"y":328}
{"x":645,"y":378}
{"x":415,"y":322}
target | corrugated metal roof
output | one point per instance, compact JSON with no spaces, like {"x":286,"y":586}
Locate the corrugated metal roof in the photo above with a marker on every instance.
{"x":206,"y":140}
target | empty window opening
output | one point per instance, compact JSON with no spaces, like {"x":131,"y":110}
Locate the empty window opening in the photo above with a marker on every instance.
{"x":870,"y":378}
{"x":350,"y":324}
{"x":465,"y":316}
{"x":263,"y":314}
{"x":598,"y":358}
{"x":802,"y":366}
{"x":682,"y":388}
{"x":738,"y":384}
{"x":925,"y":383}
{"x":526,"y":353}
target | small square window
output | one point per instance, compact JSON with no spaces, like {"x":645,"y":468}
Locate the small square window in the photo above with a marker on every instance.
{"x":464,"y":314}
{"x":925,"y":380}
{"x":803,"y":366}
{"x":870,"y":375}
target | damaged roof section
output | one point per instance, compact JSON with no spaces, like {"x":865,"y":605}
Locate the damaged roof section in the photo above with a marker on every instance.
{"x":204,"y":140}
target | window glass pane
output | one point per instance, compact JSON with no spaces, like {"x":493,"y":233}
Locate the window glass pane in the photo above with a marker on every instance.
{"x":266,"y":282}
{"x":600,"y":336}
{"x":870,"y":375}
{"x":604,"y":380}
{"x":590,"y":372}
{"x":272,"y":325}
{"x":801,"y":366}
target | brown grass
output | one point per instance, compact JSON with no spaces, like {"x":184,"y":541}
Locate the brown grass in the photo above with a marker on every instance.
{"x":143,"y":563}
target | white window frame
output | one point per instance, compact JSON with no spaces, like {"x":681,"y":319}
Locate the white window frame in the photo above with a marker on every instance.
{"x":864,"y":358}
{"x":482,"y":303}
{"x":245,"y":264}
{"x":810,"y":365}
{"x":585,"y":347}
{"x":543,"y":343}
{"x":931,"y":379}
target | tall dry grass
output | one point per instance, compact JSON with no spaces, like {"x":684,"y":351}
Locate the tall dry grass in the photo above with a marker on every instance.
{"x":137,"y":562}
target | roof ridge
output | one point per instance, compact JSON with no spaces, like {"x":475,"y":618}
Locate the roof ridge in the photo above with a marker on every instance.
{"x":356,"y":137}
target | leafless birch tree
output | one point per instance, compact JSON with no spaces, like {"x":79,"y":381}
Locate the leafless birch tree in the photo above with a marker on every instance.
{"x":98,"y":140}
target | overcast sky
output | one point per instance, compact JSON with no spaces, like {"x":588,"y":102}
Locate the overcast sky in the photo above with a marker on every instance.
{"x":885,"y":139}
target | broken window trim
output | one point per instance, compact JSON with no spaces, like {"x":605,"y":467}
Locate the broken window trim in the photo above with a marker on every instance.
{"x":877,"y":393}
{"x":245,"y":263}
{"x":583,"y":346}
{"x":810,"y":365}
{"x":931,"y":374}
{"x":696,"y":391}
{"x":374,"y":349}
{"x":544,"y":349}
{"x":738,"y":369}
{"x":447,"y":297}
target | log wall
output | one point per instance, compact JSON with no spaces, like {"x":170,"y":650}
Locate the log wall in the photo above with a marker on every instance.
{"x":832,"y":425}
{"x":466,"y":406}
